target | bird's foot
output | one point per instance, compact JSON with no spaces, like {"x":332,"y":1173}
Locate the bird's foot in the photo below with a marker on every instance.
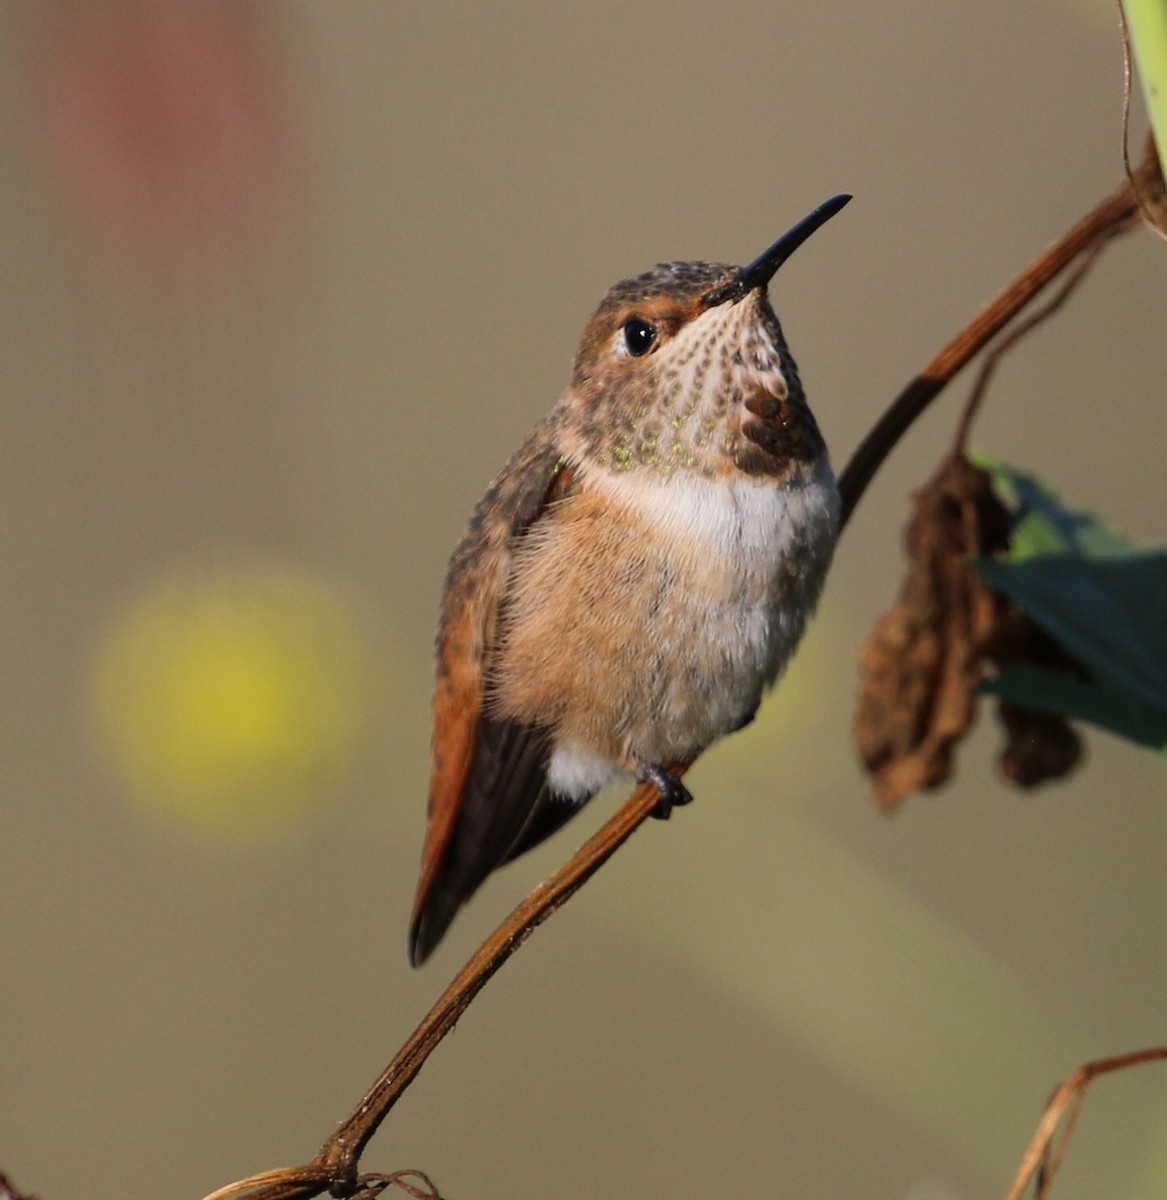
{"x":672,"y":791}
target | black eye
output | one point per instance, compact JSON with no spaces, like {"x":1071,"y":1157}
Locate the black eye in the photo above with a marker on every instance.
{"x":639,"y":336}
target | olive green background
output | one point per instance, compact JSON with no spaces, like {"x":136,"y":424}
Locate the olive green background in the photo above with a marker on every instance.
{"x":780,"y":992}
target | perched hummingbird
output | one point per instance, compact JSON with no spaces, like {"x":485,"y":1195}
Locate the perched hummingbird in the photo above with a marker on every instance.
{"x":636,"y":576}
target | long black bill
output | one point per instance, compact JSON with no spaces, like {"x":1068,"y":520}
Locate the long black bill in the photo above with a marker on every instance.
{"x":758,"y":273}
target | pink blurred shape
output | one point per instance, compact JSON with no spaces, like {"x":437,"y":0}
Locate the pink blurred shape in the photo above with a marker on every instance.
{"x":166,"y":128}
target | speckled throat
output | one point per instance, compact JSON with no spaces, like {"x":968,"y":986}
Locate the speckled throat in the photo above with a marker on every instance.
{"x":721,"y":396}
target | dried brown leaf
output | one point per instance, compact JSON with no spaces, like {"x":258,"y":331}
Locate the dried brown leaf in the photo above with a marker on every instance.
{"x":922,"y":661}
{"x":947,"y":632}
{"x":1038,"y":746}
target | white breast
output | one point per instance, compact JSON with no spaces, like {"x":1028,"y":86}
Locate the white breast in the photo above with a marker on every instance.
{"x":747,"y":559}
{"x":752,"y":526}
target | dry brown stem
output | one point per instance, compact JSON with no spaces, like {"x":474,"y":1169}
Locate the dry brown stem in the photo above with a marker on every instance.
{"x":1116,"y":214}
{"x":1042,"y":1156}
{"x":334,"y":1167}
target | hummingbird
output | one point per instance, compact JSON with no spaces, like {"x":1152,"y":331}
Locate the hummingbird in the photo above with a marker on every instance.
{"x":634,"y":578}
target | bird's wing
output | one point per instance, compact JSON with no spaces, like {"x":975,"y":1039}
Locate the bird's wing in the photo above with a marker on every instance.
{"x":488,"y":780}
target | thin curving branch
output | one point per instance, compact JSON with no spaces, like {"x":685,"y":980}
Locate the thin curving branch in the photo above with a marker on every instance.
{"x":334,"y":1169}
{"x":1116,"y":214}
{"x":344,"y":1147}
{"x":1042,"y":1158}
{"x":1007,"y":341}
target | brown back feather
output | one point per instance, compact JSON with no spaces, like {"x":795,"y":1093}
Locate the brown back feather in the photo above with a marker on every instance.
{"x":488,"y":775}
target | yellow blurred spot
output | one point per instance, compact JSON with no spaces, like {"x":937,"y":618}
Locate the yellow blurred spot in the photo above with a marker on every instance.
{"x":229,"y":701}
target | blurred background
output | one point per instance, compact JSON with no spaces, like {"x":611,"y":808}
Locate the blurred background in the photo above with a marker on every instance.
{"x":283,"y":286}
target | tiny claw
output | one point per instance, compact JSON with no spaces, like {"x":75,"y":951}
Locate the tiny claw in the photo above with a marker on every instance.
{"x":673,"y":793}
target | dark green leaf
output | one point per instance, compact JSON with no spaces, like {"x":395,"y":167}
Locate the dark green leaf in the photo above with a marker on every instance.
{"x":1100,"y":704}
{"x":1108,"y":614}
{"x":1103,"y":600}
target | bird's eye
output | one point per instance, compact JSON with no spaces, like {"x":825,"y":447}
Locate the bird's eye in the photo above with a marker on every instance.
{"x":639,"y":336}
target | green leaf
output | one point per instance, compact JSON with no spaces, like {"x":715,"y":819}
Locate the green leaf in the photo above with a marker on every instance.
{"x":1103,"y":600}
{"x":1147,"y":25}
{"x":1107,"y":614}
{"x":1045,"y":525}
{"x":1101,"y":704}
